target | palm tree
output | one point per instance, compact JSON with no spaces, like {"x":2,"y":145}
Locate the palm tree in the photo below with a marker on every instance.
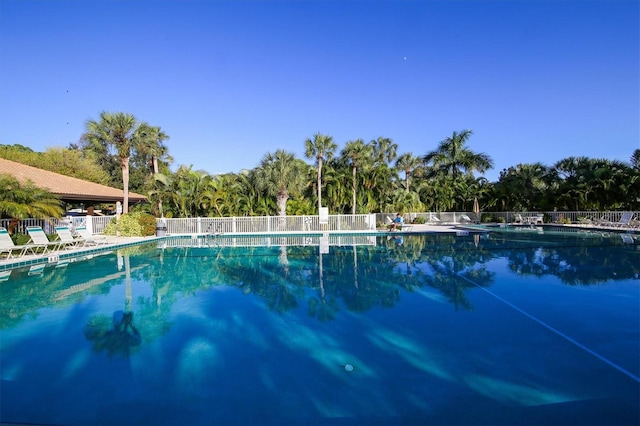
{"x":321,"y":147}
{"x":384,"y":150}
{"x":453,"y":158}
{"x":357,"y":154}
{"x":282,"y":175}
{"x":635,"y":159}
{"x":407,"y":163}
{"x":21,"y":201}
{"x":149,"y":143}
{"x":118,"y":130}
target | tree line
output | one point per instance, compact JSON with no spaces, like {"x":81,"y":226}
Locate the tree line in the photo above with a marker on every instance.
{"x":363,"y":177}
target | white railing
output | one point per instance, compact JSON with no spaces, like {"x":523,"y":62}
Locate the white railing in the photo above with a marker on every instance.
{"x":296,"y":224}
{"x":269,"y":224}
{"x":573,"y":217}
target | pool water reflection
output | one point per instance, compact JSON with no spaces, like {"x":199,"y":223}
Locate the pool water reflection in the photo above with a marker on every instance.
{"x":436,"y":329}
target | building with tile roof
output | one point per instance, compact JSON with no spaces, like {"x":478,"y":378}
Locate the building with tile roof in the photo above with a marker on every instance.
{"x":68,"y":189}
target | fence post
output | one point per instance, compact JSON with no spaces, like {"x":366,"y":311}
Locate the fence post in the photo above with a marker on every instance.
{"x":89,"y":224}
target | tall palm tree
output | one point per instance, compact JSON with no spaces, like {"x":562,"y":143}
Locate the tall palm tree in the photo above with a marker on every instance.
{"x":282,"y":174}
{"x":384,"y":150}
{"x":453,"y":158}
{"x":357,"y":154}
{"x":117,"y":130}
{"x":635,"y":159}
{"x":321,"y":148}
{"x":407,"y":163}
{"x":149,"y":142}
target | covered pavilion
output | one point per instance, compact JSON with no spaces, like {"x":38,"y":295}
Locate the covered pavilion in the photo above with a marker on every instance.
{"x":69,"y":189}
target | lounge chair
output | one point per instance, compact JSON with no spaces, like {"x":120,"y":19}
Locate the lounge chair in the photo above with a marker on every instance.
{"x":7,"y":246}
{"x":389,"y":221}
{"x":89,"y":238}
{"x":40,"y":239}
{"x":67,"y":239}
{"x":624,"y":222}
{"x":519,"y":219}
{"x":538,"y":218}
{"x":465,"y":218}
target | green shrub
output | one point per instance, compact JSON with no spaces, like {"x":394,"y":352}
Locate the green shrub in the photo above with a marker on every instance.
{"x":136,"y":224}
{"x":20,"y":239}
{"x":128,"y":226}
{"x":419,"y":220}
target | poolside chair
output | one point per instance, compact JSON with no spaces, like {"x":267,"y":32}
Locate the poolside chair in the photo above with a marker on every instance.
{"x":625,"y":220}
{"x":538,"y":218}
{"x":40,"y":240}
{"x":465,"y":218}
{"x":519,"y":219}
{"x":67,"y":239}
{"x":7,"y":246}
{"x":89,"y":238}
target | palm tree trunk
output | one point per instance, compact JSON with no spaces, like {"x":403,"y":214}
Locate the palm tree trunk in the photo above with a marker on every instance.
{"x":281,"y":201}
{"x":125,"y":184}
{"x":155,"y":165}
{"x":319,"y":183}
{"x":353,"y":187}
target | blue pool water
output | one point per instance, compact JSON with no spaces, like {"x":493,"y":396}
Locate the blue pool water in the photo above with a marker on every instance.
{"x":419,"y":329}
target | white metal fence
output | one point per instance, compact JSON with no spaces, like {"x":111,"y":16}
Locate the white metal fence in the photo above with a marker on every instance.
{"x":332,"y":223}
{"x":95,"y":223}
{"x":268,"y":224}
{"x":572,"y":217}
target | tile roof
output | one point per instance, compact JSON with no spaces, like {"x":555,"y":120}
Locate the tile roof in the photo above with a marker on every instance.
{"x":65,"y":187}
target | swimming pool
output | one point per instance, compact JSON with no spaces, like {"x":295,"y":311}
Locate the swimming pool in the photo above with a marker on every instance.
{"x":413,"y":329}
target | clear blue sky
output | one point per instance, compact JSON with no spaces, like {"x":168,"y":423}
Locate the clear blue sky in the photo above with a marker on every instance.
{"x":229,"y":81}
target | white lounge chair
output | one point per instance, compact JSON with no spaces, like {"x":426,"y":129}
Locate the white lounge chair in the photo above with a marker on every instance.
{"x":465,"y":218}
{"x":67,"y":239}
{"x":40,"y":239}
{"x":90,"y":238}
{"x":538,"y":218}
{"x":625,"y":220}
{"x":7,"y":246}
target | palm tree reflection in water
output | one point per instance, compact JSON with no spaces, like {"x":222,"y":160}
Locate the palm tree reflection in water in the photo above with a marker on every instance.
{"x":119,"y":335}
